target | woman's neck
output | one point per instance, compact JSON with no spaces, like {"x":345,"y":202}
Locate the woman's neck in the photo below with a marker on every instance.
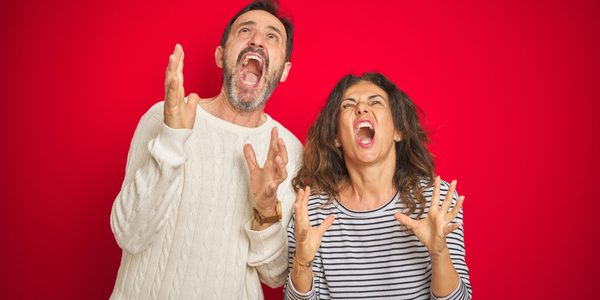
{"x":368,"y":187}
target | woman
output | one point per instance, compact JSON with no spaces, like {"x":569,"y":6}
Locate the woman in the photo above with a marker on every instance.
{"x":378,"y":224}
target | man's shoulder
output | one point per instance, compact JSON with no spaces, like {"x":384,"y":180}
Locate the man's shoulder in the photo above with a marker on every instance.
{"x":288,"y":137}
{"x":156,"y":110}
{"x":154,"y":115}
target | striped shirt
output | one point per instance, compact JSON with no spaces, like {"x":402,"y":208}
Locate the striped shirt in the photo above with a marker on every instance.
{"x":367,"y":254}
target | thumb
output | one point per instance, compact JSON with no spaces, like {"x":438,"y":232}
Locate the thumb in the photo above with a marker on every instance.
{"x":405,"y":220}
{"x":192,"y":100}
{"x":451,"y":227}
{"x":250,"y":157}
{"x":325,"y":225}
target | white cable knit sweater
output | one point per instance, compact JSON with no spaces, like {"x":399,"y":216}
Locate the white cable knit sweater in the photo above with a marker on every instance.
{"x":183,"y":214}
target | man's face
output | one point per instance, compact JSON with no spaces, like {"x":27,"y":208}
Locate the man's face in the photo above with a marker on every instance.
{"x":253,"y":59}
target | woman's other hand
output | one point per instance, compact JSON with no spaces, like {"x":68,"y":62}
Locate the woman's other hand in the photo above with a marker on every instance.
{"x":432,"y":230}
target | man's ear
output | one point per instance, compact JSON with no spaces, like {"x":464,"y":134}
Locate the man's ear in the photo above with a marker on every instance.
{"x":219,"y":57}
{"x":286,"y":71}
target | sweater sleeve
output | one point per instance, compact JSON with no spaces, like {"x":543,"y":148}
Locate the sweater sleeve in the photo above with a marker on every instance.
{"x":152,"y":182}
{"x":456,"y":245}
{"x":268,"y":253}
{"x":268,"y":248}
{"x":290,"y":291}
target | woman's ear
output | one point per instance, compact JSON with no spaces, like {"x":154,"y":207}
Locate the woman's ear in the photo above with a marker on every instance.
{"x":397,"y":136}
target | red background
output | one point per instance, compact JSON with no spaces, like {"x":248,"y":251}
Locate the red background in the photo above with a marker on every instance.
{"x":510,"y":91}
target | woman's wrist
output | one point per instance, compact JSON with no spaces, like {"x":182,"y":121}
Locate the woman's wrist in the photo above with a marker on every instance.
{"x":439,"y":255}
{"x":301,"y":266}
{"x":439,"y":250}
{"x":301,"y":275}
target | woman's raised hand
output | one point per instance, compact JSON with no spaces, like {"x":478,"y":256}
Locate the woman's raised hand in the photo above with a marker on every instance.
{"x":432,"y":230}
{"x":308,"y":238}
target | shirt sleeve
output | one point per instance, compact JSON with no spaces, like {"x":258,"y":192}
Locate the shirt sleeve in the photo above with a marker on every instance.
{"x":153,"y":179}
{"x":456,"y":246}
{"x":268,"y":248}
{"x":290,"y":291}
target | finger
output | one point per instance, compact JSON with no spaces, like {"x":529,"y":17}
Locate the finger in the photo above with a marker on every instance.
{"x":451,"y":227}
{"x":435,"y":197}
{"x":281,"y":170}
{"x":305,"y":200}
{"x":282,"y":151}
{"x":272,"y":145}
{"x":298,"y":206}
{"x":174,"y":60}
{"x":406,"y":220}
{"x":325,"y":225}
{"x":302,"y":211}
{"x":250,"y":158}
{"x":179,"y":50}
{"x":171,"y":98}
{"x":449,"y":196}
{"x":454,"y":212}
{"x":169,"y":73}
{"x":192,"y":100}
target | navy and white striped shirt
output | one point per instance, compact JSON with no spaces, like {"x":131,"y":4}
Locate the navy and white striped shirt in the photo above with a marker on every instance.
{"x":367,"y":254}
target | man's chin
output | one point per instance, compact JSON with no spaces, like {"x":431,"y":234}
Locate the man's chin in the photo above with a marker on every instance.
{"x":246,"y":106}
{"x":247,"y":101}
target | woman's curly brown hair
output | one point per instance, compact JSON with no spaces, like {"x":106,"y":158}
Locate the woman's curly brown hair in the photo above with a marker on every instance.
{"x":323,"y":166}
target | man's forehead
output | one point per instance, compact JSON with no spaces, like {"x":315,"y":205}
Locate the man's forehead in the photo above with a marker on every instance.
{"x":260,"y":18}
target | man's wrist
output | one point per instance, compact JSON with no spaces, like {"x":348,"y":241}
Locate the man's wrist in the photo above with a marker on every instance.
{"x":272,"y":215}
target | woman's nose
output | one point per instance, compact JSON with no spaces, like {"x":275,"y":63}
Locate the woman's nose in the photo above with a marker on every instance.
{"x":361,"y":109}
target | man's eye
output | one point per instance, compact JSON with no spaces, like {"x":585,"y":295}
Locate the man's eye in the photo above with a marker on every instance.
{"x":272,"y":37}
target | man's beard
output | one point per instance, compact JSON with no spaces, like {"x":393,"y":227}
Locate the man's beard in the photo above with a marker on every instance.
{"x":233,"y":94}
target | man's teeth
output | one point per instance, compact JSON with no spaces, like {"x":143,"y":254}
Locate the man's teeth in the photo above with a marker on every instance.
{"x":255,"y":57}
{"x":365,"y":124}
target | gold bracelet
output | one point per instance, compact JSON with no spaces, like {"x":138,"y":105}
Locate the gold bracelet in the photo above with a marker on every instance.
{"x":302,"y":264}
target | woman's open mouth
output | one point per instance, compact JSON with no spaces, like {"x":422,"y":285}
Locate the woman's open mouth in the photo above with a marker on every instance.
{"x":365,"y":133}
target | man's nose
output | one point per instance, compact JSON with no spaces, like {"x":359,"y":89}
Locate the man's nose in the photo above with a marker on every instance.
{"x":256,"y":40}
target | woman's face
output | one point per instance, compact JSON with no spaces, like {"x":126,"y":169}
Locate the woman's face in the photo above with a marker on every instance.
{"x":366,"y":128}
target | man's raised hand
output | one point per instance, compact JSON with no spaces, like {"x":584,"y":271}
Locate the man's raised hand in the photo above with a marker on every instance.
{"x":179,"y":112}
{"x":265,"y":181}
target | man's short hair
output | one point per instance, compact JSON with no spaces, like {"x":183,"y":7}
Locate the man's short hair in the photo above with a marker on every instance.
{"x":271,"y":7}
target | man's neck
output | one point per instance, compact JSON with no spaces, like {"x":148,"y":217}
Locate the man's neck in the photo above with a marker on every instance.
{"x":220,"y":107}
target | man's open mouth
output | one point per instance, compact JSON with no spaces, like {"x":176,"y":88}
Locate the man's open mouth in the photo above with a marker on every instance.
{"x":252,"y":67}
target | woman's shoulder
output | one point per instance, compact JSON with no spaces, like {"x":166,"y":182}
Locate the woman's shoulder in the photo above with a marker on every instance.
{"x":428,"y":184}
{"x":320,"y":202}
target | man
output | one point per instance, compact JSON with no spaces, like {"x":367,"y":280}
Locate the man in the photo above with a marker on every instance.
{"x":197,"y":217}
